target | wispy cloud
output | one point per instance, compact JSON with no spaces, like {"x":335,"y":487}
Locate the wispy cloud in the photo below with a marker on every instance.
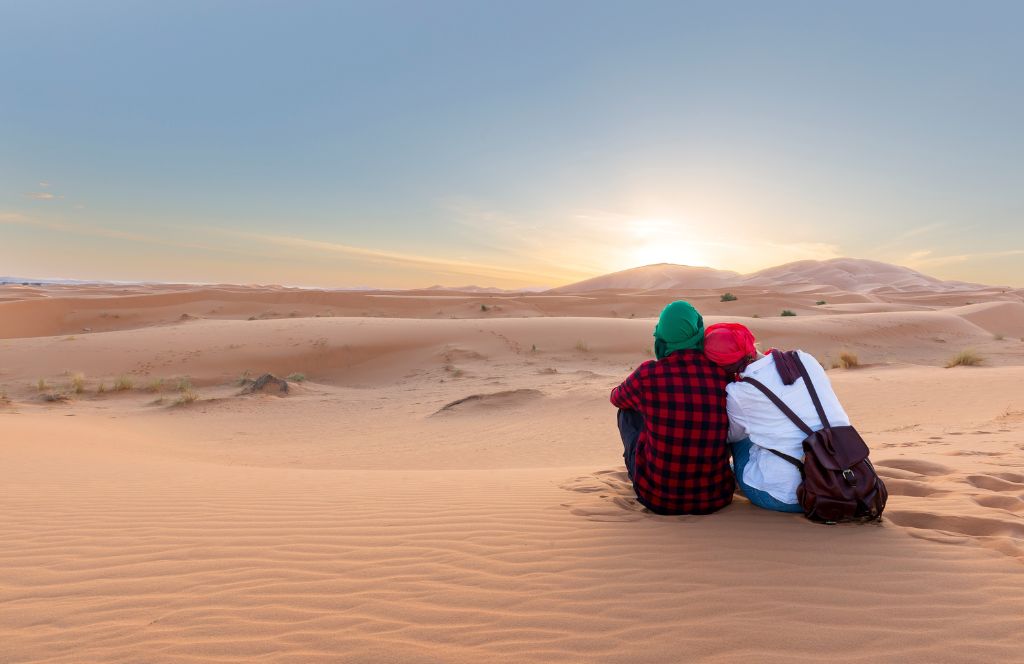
{"x":249,"y":244}
{"x":925,"y":258}
{"x":40,"y":195}
{"x":436,"y":265}
{"x":113,"y":234}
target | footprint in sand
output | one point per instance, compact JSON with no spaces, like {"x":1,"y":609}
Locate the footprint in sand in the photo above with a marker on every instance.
{"x":997,"y":482}
{"x":1008,"y":503}
{"x":1001,"y":533}
{"x":614,"y":499}
{"x":919,"y":466}
{"x":909,"y":487}
{"x":974,"y":453}
{"x":973,"y":526}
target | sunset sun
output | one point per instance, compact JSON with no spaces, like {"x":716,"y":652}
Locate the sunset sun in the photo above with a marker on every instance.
{"x":662,"y":241}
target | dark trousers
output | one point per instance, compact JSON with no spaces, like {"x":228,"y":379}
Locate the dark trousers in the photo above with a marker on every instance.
{"x":631,"y":423}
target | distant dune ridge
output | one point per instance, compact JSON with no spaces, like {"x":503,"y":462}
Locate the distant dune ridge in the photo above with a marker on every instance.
{"x":854,"y":275}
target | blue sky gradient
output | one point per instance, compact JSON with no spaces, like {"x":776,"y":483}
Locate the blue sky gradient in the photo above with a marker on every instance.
{"x":403,"y":144}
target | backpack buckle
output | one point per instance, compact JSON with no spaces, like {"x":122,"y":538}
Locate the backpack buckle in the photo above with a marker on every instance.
{"x":850,"y":478}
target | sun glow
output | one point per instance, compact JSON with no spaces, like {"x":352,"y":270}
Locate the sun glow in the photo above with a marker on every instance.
{"x":662,"y":241}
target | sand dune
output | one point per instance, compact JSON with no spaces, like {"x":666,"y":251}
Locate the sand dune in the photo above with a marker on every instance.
{"x":851,"y":275}
{"x":353,"y":521}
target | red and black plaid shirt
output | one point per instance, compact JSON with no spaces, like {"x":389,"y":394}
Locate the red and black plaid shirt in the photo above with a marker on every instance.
{"x":682,"y":459}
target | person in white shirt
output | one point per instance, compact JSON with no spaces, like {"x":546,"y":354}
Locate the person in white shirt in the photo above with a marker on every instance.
{"x":756,"y":425}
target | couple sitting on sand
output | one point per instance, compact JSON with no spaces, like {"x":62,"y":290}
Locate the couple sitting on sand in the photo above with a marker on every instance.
{"x":678,"y":412}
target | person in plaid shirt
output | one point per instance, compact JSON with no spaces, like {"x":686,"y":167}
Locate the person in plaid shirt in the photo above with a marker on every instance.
{"x":673,"y":421}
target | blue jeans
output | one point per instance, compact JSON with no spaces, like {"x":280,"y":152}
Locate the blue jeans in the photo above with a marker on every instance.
{"x":631,"y":423}
{"x":763,"y":499}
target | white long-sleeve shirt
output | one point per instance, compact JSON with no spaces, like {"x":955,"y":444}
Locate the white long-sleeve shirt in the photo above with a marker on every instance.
{"x":753,"y":415}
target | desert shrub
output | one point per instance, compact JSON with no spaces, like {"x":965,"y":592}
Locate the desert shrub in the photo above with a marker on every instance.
{"x":184,"y":384}
{"x":727,"y":297}
{"x":41,"y":385}
{"x":454,"y":370}
{"x":297,"y":377}
{"x":77,"y":383}
{"x":965,"y":358}
{"x":998,"y":337}
{"x":155,"y":386}
{"x":848,"y":360}
{"x":186,"y":396}
{"x":582,"y":346}
{"x":124,"y":384}
{"x":787,"y":312}
{"x":101,"y":388}
{"x":243,"y":378}
{"x":4,"y":399}
{"x":820,"y":302}
{"x":484,"y":307}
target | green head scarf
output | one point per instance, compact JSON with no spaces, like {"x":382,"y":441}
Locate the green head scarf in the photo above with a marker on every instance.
{"x":680,"y":327}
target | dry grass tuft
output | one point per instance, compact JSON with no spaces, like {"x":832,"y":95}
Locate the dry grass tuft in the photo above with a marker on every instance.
{"x":788,"y":312}
{"x":186,"y":396}
{"x":124,"y":384}
{"x":77,"y":383}
{"x":582,"y":346}
{"x":155,"y":386}
{"x":101,"y":388}
{"x":297,"y":377}
{"x":41,"y":385}
{"x":965,"y":358}
{"x":848,"y":360}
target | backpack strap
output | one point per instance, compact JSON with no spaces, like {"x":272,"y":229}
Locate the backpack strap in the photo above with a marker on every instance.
{"x":780,"y":404}
{"x":789,"y":413}
{"x":785,"y":457}
{"x":814,"y":393}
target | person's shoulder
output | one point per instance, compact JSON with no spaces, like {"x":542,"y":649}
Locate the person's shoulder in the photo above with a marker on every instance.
{"x":646,"y":367}
{"x":809,"y":360}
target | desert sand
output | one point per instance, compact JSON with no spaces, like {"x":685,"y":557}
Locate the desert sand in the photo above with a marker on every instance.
{"x":444,"y":481}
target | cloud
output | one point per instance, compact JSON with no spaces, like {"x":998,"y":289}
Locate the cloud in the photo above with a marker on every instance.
{"x":40,"y":195}
{"x":13,"y":218}
{"x":924,"y":258}
{"x":113,"y":234}
{"x":435,"y":264}
{"x":44,"y":184}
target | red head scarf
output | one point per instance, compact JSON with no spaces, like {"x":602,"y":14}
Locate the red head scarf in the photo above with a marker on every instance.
{"x":728,"y":343}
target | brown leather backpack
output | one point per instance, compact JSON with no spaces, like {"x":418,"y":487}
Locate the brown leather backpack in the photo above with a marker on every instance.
{"x":839,"y":482}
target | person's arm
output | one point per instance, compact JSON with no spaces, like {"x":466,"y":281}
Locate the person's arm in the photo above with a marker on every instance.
{"x":737,"y":419}
{"x":629,"y":395}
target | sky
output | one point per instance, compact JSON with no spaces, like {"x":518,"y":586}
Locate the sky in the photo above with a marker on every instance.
{"x":511,"y":144}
